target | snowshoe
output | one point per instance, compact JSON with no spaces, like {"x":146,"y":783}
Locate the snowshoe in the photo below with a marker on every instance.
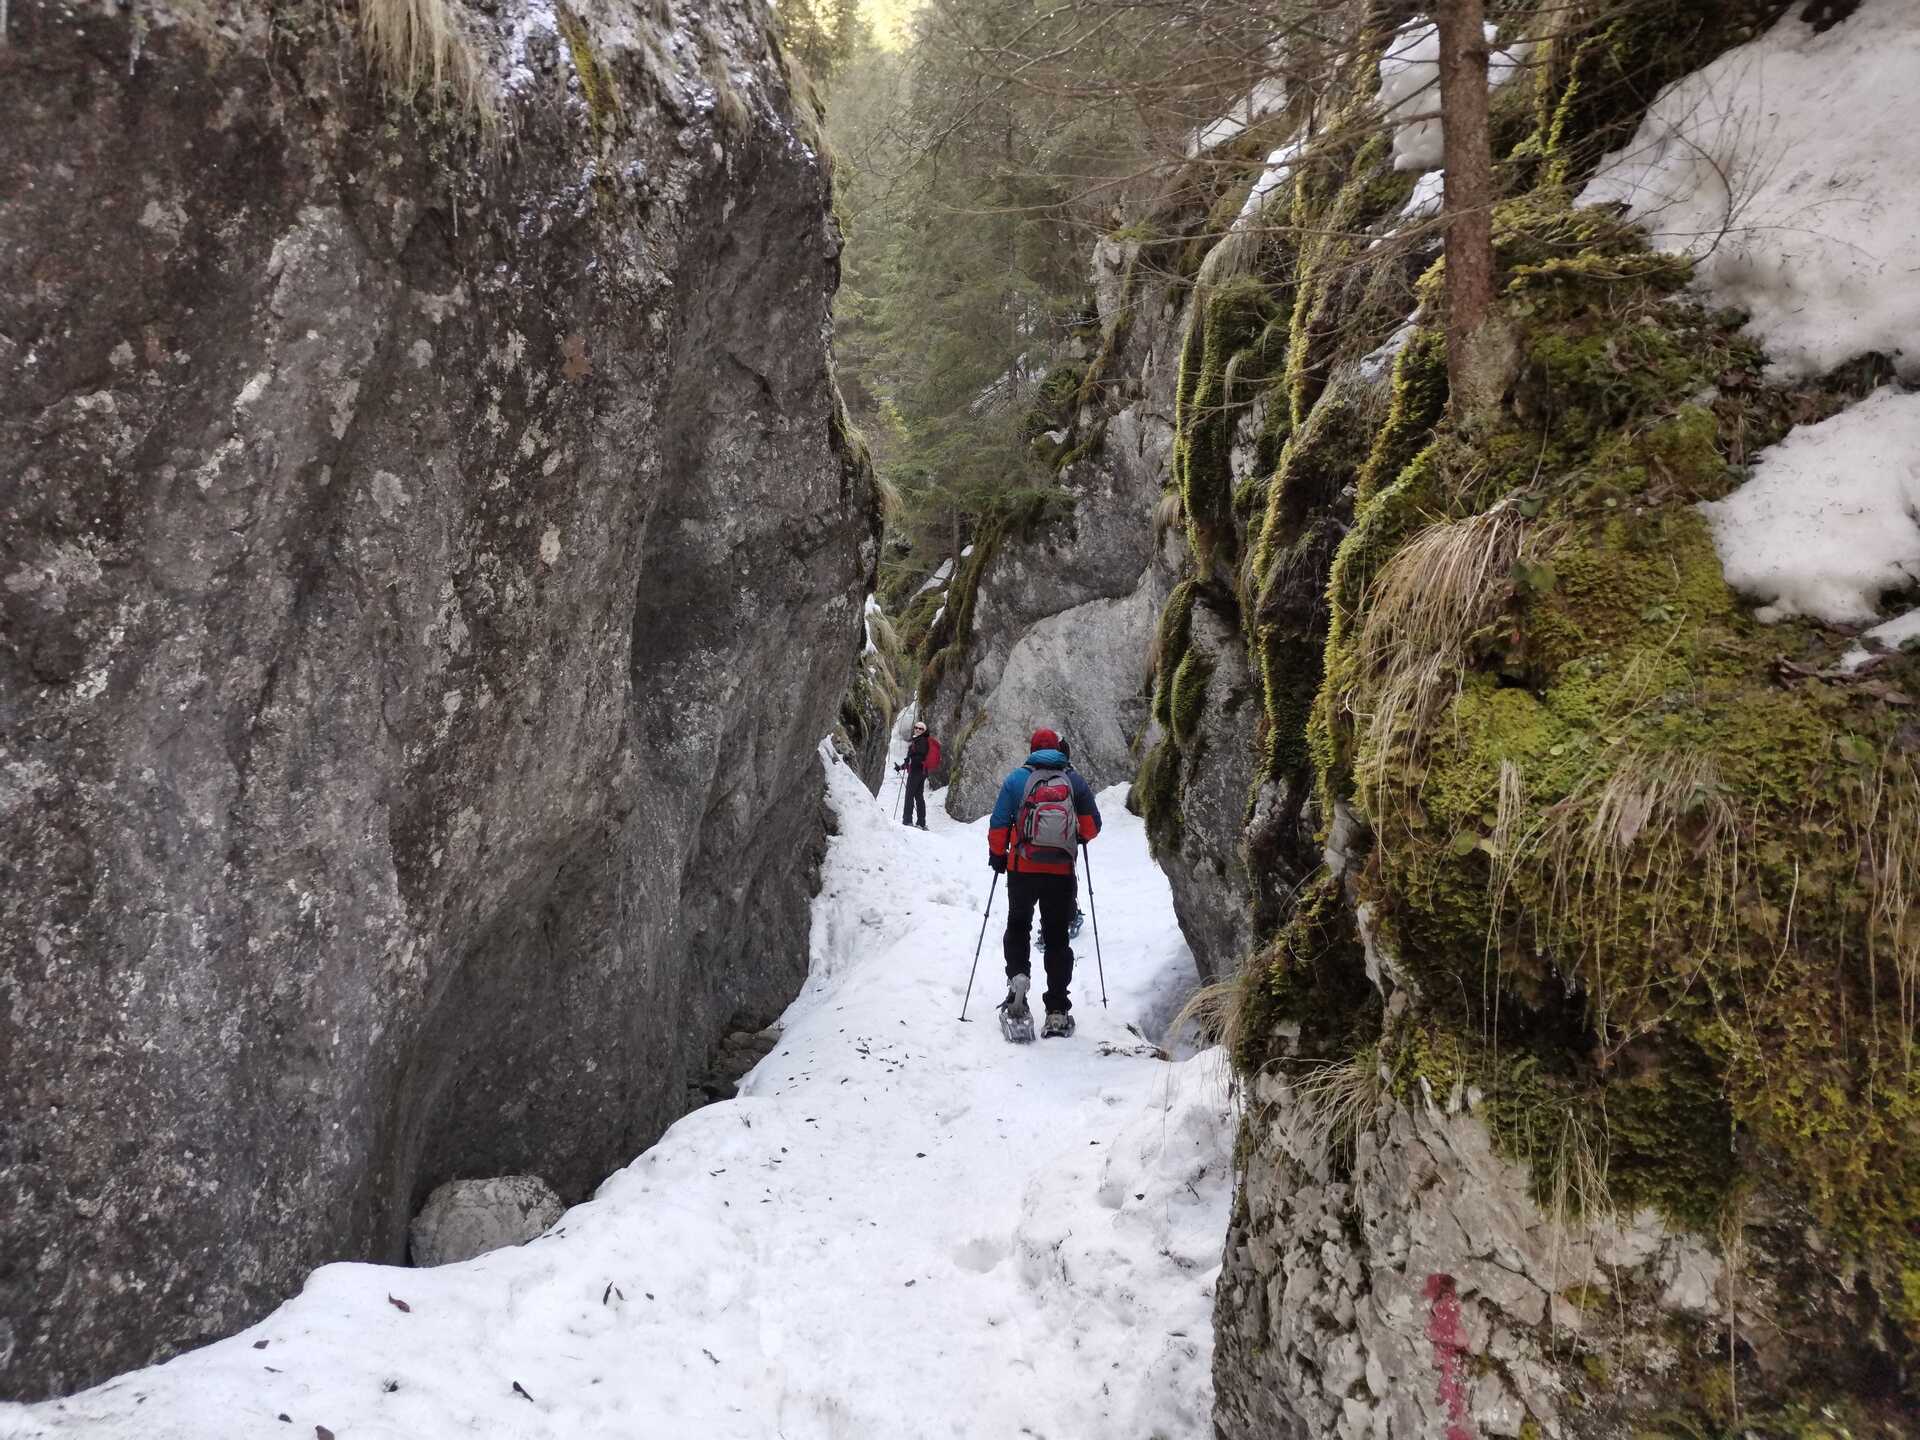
{"x":1079,"y":919}
{"x":1059,"y":1025}
{"x":1016,"y":1019}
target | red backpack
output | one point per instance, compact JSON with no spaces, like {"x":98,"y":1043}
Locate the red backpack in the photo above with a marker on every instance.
{"x":1046,"y":827}
{"x":933,"y":753}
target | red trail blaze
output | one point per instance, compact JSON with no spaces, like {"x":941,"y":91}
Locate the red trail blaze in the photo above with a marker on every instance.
{"x":1443,"y":1329}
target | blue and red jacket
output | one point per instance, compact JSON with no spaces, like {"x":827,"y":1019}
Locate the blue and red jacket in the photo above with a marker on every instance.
{"x":1006,"y":808}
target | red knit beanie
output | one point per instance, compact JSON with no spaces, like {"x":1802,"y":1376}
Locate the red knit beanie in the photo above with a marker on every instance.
{"x":1043,"y":739}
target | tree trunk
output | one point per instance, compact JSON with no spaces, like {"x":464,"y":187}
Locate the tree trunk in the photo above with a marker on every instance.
{"x":1469,"y":183}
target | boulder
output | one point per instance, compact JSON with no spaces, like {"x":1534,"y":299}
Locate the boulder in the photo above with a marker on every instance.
{"x":465,"y":1218}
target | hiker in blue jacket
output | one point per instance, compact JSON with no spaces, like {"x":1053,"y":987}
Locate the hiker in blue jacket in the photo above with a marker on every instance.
{"x":1044,"y":813}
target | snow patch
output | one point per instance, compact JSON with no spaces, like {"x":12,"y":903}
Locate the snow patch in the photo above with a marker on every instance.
{"x":1266,"y":98}
{"x":1428,"y":192}
{"x":1830,"y":519}
{"x":1273,"y":175}
{"x":1410,"y":90}
{"x":1785,"y":168}
{"x":940,"y":576}
{"x":1894,"y":634}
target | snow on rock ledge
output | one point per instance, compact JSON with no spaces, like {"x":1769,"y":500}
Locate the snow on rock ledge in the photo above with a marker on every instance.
{"x":1785,"y":168}
{"x":1830,"y":520}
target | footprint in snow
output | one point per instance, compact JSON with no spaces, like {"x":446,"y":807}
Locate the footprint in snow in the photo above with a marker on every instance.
{"x":980,"y":1255}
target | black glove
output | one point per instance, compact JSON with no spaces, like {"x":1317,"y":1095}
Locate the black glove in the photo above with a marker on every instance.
{"x":997,"y":864}
{"x":901,"y":766}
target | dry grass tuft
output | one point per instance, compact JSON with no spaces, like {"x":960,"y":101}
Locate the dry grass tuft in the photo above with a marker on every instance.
{"x":1651,"y":833}
{"x":1444,"y":586}
{"x":1326,"y":1105}
{"x":1167,"y":516}
{"x":729,"y":108}
{"x":1215,"y":1013}
{"x":1571,"y":1152}
{"x":1888,"y":837}
{"x":892,"y":505}
{"x":421,"y":45}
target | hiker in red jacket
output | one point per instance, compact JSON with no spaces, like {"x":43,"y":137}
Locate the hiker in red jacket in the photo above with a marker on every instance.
{"x":1044,"y":814}
{"x":922,"y":756}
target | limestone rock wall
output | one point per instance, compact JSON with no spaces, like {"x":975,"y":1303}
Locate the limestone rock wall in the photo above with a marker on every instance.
{"x":1063,"y":614}
{"x":1399,"y":1280}
{"x":428,"y":561}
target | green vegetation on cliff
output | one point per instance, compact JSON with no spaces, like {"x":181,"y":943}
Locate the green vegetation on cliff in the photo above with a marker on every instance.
{"x":1636,"y":859}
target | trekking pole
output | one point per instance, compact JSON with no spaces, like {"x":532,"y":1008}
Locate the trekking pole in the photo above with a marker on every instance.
{"x":976,"y":947}
{"x":899,"y":790}
{"x":1094,"y":911}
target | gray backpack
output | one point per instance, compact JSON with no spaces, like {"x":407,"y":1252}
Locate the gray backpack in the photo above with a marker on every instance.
{"x":1046,"y":826}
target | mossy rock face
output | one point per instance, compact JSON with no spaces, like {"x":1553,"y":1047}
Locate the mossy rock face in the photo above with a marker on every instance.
{"x":1055,"y":402}
{"x":1605,"y":818}
{"x":1156,"y":794}
{"x":1594,"y":81}
{"x":1419,"y":400}
{"x":1189,"y":694}
{"x":1228,"y":348}
{"x":1176,"y":633}
{"x":1307,"y":996}
{"x":1639,"y":872}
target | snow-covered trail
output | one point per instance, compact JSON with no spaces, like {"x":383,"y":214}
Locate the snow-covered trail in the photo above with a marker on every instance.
{"x":905,"y":1227}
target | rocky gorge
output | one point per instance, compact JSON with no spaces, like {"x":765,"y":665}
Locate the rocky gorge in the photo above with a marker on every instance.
{"x":433,"y":547}
{"x":430,"y":553}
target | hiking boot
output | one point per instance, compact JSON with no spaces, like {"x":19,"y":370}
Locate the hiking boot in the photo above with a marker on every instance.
{"x":1059,"y":1025}
{"x":1016,"y":1020}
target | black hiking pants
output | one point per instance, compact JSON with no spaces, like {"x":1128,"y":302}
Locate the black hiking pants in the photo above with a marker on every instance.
{"x":1054,"y":894}
{"x":916,"y":798}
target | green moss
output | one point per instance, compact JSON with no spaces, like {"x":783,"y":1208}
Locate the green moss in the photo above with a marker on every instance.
{"x":1306,"y":996}
{"x":1222,"y":360}
{"x":1189,"y":692}
{"x":604,"y":112}
{"x":1176,"y":629}
{"x":1594,"y":84}
{"x":1617,"y":850}
{"x":1335,"y":203}
{"x":1157,"y":791}
{"x":1614,"y":843}
{"x":1054,"y":402}
{"x":1419,"y":400}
